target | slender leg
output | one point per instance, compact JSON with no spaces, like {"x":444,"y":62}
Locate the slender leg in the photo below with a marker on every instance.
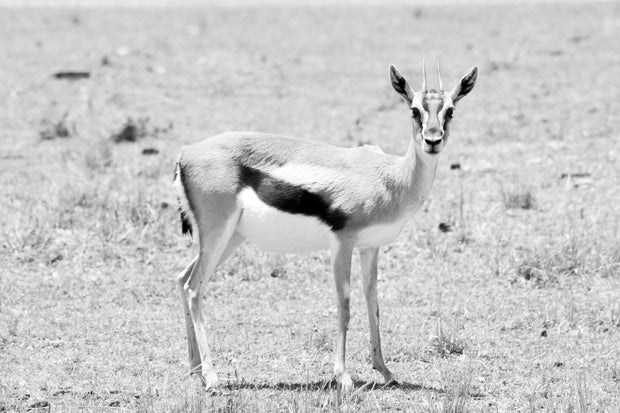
{"x":214,"y":239}
{"x":194,"y":354}
{"x":368,"y":259}
{"x":232,"y":246}
{"x":341,"y":263}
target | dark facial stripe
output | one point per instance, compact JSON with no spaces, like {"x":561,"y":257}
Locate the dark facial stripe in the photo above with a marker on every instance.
{"x":291,"y":198}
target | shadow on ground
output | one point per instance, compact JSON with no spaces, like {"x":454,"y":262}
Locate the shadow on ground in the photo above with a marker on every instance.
{"x":333,"y":385}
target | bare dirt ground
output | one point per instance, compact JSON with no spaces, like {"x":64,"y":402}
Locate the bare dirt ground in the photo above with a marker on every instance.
{"x":502,"y":294}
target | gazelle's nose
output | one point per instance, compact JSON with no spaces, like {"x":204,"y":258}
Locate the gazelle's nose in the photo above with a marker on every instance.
{"x":433,"y":136}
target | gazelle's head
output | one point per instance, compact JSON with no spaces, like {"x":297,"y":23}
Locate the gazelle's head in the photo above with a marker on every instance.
{"x":432,"y":110}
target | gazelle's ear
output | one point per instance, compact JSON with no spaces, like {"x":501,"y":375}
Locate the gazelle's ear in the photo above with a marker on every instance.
{"x":400,"y":84}
{"x":465,"y":85}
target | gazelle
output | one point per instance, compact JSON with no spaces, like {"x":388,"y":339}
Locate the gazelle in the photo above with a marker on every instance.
{"x":292,"y":195}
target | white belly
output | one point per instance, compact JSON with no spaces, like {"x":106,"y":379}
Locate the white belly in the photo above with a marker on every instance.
{"x":277,"y":231}
{"x":380,"y":234}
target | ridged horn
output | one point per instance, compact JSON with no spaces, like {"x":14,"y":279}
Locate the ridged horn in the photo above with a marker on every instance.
{"x":423,"y":76}
{"x":439,"y":76}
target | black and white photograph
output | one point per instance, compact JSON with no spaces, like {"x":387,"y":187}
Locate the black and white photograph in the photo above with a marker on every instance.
{"x":310,"y":206}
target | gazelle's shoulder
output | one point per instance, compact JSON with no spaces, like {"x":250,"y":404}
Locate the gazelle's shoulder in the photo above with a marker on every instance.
{"x":373,"y":148}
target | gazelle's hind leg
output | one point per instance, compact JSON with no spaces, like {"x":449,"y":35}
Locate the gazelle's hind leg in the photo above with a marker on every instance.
{"x":235,"y":240}
{"x":216,"y":233}
{"x":192,"y":345}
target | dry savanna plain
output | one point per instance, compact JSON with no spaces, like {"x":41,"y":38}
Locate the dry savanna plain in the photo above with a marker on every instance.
{"x":502,"y":294}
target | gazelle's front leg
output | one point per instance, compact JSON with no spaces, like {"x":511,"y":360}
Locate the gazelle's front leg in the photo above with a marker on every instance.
{"x":341,"y":262}
{"x":368,"y":259}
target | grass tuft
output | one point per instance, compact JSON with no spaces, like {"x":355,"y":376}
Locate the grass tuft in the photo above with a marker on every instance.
{"x":59,"y":129}
{"x":100,"y":158}
{"x":456,"y":397}
{"x":135,"y":130}
{"x":446,"y":342}
{"x":131,"y":131}
{"x":518,"y":197}
{"x":582,"y":393}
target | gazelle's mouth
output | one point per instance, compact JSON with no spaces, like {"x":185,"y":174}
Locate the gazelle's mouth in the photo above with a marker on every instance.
{"x":433,"y":149}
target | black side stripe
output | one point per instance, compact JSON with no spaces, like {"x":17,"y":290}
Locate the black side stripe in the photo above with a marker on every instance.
{"x":291,"y":198}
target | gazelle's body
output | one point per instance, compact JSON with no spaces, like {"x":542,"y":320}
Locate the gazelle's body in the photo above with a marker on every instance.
{"x":368,"y":195}
{"x":291,"y":195}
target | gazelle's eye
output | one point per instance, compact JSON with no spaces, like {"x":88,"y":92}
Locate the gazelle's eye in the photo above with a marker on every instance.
{"x":449,"y":113}
{"x":415,"y":112}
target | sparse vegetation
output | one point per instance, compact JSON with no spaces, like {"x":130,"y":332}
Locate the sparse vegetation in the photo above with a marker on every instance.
{"x":90,"y":319}
{"x":135,"y":130}
{"x":456,"y":397}
{"x":131,"y":131}
{"x":518,"y":197}
{"x":56,"y":129}
{"x":445,"y":342}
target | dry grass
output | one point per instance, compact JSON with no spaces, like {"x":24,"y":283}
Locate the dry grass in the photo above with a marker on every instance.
{"x":518,"y":197}
{"x":89,"y":233}
{"x":446,"y":342}
{"x":456,"y":397}
{"x":57,"y":129}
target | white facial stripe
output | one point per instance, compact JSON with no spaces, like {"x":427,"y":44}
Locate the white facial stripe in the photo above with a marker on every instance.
{"x":425,"y":117}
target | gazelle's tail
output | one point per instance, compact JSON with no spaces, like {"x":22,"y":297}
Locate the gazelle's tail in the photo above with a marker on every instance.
{"x":184,"y":206}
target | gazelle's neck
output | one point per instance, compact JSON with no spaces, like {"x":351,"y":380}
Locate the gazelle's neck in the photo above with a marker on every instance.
{"x":418,"y":169}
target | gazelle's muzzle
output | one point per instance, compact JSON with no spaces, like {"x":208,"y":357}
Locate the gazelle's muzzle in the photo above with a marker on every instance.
{"x":433,"y":139}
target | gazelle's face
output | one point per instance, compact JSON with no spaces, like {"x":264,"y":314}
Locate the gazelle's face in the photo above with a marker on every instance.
{"x":432,"y":110}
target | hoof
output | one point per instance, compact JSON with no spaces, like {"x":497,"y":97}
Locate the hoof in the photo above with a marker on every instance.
{"x":390,"y":382}
{"x":345,"y":383}
{"x":388,"y":377}
{"x":209,"y":380}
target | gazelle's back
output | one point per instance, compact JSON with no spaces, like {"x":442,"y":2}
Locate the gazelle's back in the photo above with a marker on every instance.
{"x":260,"y":149}
{"x":354,"y":179}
